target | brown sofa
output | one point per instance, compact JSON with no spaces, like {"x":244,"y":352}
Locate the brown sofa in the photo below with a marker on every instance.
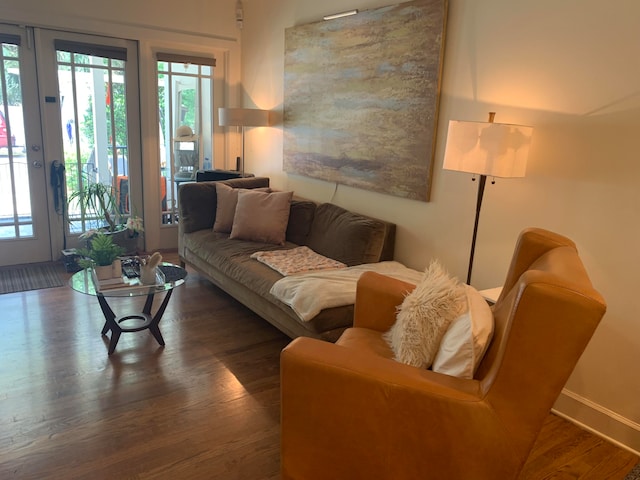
{"x":327,"y":229}
{"x":349,"y":411}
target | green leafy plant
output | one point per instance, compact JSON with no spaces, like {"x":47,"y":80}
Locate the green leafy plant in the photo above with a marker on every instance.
{"x":101,"y":252}
{"x":98,"y":200}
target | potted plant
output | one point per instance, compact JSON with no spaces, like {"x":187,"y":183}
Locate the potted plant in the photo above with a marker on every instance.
{"x":97,"y":200}
{"x":102,"y":252}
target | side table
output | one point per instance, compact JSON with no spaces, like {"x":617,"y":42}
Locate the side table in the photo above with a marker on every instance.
{"x":491,"y":294}
{"x":169,"y":277}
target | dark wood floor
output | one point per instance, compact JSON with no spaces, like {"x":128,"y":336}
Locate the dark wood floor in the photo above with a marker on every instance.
{"x":206,"y":406}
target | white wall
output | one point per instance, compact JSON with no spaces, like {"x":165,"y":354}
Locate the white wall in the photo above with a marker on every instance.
{"x":569,"y":69}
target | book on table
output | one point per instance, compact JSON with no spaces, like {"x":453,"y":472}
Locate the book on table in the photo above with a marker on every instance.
{"x":123,"y":282}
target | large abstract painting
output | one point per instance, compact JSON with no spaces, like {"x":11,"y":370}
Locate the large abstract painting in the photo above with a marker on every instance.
{"x":361,"y":98}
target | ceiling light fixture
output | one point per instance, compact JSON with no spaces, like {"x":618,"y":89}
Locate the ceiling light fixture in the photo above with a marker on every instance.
{"x":340,"y":15}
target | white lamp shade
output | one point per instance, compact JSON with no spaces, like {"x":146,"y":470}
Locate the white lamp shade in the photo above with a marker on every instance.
{"x":243,"y":117}
{"x":491,"y":149}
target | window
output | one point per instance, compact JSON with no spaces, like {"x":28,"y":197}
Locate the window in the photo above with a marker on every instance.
{"x":185,"y":106}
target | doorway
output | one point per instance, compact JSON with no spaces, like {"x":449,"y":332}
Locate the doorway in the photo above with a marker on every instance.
{"x":71,"y":108}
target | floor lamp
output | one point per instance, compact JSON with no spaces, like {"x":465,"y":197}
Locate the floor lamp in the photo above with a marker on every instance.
{"x":487,"y":149}
{"x":242,"y":117}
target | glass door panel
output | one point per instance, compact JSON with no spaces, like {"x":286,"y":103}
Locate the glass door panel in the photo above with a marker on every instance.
{"x":24,"y":224}
{"x":185,"y":104}
{"x":94,"y":130}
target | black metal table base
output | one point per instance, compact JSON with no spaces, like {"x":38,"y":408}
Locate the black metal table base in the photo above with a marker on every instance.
{"x":147,"y":320}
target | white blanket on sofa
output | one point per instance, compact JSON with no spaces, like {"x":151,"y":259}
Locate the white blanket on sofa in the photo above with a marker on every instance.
{"x":309,"y":293}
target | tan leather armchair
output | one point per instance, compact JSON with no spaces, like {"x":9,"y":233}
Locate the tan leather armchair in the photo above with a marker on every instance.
{"x":351,"y":412}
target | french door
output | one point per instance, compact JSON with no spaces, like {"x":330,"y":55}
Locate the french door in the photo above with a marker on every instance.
{"x":24,"y":214}
{"x":72,"y":109}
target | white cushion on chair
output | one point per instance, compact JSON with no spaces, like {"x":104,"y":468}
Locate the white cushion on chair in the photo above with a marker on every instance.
{"x":424,"y":317}
{"x":467,"y":338}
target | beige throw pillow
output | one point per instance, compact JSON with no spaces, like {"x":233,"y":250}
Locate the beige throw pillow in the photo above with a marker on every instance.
{"x":225,"y":208}
{"x":424,"y":316}
{"x":261,"y":217}
{"x":227,"y":199}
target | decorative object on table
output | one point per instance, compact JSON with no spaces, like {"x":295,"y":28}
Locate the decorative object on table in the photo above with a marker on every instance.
{"x":148,"y":269}
{"x":243,"y":117}
{"x":131,"y":267}
{"x":100,"y":255}
{"x":361,"y":97}
{"x":98,"y":201}
{"x":487,"y":149}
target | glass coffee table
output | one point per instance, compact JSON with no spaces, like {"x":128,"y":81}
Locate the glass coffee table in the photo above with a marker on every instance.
{"x":168,"y":277}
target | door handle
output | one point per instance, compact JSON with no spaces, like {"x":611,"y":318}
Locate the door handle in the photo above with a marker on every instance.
{"x":36,"y":164}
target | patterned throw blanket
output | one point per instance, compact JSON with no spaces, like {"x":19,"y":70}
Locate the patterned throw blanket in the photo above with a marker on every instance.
{"x":296,"y":260}
{"x":309,"y":293}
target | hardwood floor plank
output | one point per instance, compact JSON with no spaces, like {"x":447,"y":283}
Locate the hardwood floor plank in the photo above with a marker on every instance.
{"x":205,"y":406}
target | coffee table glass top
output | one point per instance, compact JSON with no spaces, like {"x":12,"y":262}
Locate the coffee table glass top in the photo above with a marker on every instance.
{"x":168,"y":277}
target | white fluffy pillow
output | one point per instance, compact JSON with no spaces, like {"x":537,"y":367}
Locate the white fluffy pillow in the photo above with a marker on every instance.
{"x":425,"y":315}
{"x":467,"y":338}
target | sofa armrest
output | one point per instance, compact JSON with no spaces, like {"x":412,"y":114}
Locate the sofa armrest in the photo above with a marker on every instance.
{"x":377,"y":300}
{"x":352,"y":414}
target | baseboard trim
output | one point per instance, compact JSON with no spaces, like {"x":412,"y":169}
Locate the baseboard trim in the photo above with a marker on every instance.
{"x":599,"y":420}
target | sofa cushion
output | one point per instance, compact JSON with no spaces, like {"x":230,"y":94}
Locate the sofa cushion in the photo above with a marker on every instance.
{"x":425,"y":315}
{"x":466,"y":339}
{"x":228,"y":261}
{"x":261,"y":216}
{"x":300,"y":220}
{"x":354,"y":239}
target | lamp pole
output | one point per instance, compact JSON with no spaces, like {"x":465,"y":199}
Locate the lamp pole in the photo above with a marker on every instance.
{"x":483,"y":181}
{"x":481,"y":184}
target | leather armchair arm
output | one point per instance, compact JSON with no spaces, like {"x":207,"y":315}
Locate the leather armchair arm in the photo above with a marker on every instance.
{"x":377,"y":299}
{"x":337,"y":400}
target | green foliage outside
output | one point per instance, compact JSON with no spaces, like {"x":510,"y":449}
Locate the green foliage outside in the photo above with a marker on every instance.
{"x":14,"y":91}
{"x":118,"y":101}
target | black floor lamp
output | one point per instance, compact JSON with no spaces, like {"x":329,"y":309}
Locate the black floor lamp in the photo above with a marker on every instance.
{"x":486,"y":149}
